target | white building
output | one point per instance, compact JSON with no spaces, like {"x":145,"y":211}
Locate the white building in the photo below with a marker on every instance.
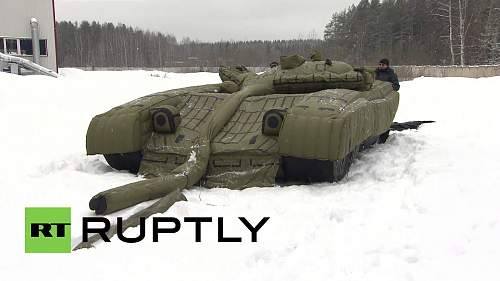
{"x":16,"y":30}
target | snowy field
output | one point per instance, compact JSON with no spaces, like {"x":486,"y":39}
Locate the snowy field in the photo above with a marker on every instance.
{"x":424,"y":206}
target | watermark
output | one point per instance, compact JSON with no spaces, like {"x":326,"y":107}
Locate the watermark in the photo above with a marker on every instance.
{"x":167,"y":225}
{"x":47,"y":230}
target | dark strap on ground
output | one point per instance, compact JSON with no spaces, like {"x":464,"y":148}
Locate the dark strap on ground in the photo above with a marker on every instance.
{"x":412,"y":125}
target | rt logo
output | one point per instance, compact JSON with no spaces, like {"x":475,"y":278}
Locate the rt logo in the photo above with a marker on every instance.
{"x":47,"y":230}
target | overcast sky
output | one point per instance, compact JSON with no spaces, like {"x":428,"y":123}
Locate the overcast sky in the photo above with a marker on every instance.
{"x":211,"y":20}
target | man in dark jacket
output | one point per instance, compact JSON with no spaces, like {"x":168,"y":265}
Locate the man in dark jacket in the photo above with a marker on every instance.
{"x":385,"y":73}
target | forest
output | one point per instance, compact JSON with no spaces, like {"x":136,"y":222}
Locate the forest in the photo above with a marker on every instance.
{"x":418,"y":32}
{"x":109,"y":45}
{"x":408,"y":32}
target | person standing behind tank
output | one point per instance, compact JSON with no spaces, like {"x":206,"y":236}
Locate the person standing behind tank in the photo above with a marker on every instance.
{"x":385,"y":73}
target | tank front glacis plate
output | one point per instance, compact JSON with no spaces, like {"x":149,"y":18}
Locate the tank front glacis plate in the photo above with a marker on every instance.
{"x":243,"y":133}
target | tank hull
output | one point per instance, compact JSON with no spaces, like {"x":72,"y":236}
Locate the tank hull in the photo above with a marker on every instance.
{"x":323,"y":126}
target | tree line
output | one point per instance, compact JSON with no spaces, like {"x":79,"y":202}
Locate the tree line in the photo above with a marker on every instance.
{"x":420,"y":32}
{"x":109,"y":45}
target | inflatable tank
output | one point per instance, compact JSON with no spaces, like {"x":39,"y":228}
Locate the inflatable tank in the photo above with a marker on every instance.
{"x":302,"y":121}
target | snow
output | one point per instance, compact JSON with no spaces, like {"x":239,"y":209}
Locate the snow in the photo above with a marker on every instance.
{"x":423,"y":206}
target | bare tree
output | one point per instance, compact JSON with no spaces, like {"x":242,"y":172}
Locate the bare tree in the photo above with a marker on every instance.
{"x":445,"y":11}
{"x":462,"y":11}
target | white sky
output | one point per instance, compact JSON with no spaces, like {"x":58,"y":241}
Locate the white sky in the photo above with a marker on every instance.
{"x":211,"y":20}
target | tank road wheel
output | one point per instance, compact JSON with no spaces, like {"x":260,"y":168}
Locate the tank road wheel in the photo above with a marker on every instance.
{"x":341,"y":167}
{"x":125,"y":161}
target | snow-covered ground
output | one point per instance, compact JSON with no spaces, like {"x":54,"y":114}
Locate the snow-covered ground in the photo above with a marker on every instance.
{"x":424,"y":206}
